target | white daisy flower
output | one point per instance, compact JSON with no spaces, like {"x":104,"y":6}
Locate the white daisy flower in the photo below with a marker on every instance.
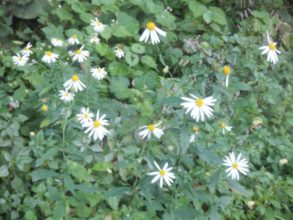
{"x":225,"y":127}
{"x":119,"y":53}
{"x":73,"y":40}
{"x":98,"y":73}
{"x":193,"y":137}
{"x":19,"y":60}
{"x":198,"y":107}
{"x":227,"y":72}
{"x":164,"y":175}
{"x":27,"y":50}
{"x":271,"y":50}
{"x":96,"y":128}
{"x":66,"y":96}
{"x":150,"y":129}
{"x":234,"y":165}
{"x":97,"y":25}
{"x":75,"y":83}
{"x":56,"y":42}
{"x":50,"y":57}
{"x":80,"y":55}
{"x":94,"y":39}
{"x":85,"y":116}
{"x":152,"y":32}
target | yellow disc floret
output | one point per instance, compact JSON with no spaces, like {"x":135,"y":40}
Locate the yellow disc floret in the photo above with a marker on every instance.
{"x":196,"y":129}
{"x":199,"y":102}
{"x":97,"y":124}
{"x":49,"y":53}
{"x":78,"y":51}
{"x":75,"y":78}
{"x":235,"y":166}
{"x":150,"y":26}
{"x":226,"y":70}
{"x":223,"y":125}
{"x":44,"y":108}
{"x":151,"y":127}
{"x":272,"y":46}
{"x":162,"y":172}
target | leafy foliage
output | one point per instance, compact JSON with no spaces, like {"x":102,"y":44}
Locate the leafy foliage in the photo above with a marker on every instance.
{"x":49,"y":169}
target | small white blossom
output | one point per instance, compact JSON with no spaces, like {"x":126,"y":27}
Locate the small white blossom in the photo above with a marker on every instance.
{"x":80,"y":55}
{"x":152,"y":32}
{"x":73,"y":40}
{"x":56,"y":42}
{"x":75,"y":83}
{"x":95,"y":39}
{"x":235,"y":165}
{"x":271,"y":50}
{"x":163,"y":175}
{"x":66,"y":96}
{"x":98,"y":73}
{"x":119,"y":53}
{"x":27,"y":50}
{"x":97,"y":25}
{"x":19,"y":60}
{"x":50,"y":57}
{"x":96,"y":128}
{"x":148,"y":130}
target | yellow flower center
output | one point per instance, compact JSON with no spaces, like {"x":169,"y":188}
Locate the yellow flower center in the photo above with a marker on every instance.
{"x":272,"y":46}
{"x":235,"y":166}
{"x":162,"y":172}
{"x":78,"y":51}
{"x":26,"y":49}
{"x":223,"y":125}
{"x":86,"y":115}
{"x":151,"y":127}
{"x":150,"y":26}
{"x":199,"y":102}
{"x":44,"y":108}
{"x":20,"y":58}
{"x":97,"y":124}
{"x":49,"y":53}
{"x":75,"y":78}
{"x":66,"y":94}
{"x":226,"y":70}
{"x":74,"y":37}
{"x":196,"y":129}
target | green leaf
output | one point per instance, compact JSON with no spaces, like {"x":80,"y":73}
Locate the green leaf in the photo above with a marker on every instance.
{"x":137,"y":48}
{"x":197,"y":8}
{"x":30,"y":215}
{"x":43,"y":174}
{"x":68,"y":183}
{"x":237,"y":188}
{"x":104,"y":166}
{"x":184,"y":140}
{"x":119,"y":86}
{"x":207,"y":17}
{"x":149,"y":61}
{"x":131,"y":58}
{"x":77,"y":170}
{"x":214,"y":214}
{"x":218,"y":15}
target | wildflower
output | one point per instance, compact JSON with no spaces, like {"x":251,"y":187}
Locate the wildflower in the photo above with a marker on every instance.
{"x":225,"y":127}
{"x":56,"y":42}
{"x":164,"y":175}
{"x":96,"y":128}
{"x":227,"y":72}
{"x":94,"y":39}
{"x":271,"y":50}
{"x":150,"y":129}
{"x":234,"y":165}
{"x":75,"y":83}
{"x":19,"y":60}
{"x":193,"y":136}
{"x":283,"y":161}
{"x":85,"y":116}
{"x":50,"y":57}
{"x":97,"y":25}
{"x":250,"y":204}
{"x":44,"y":108}
{"x":66,"y":96}
{"x":80,"y":55}
{"x":152,"y":32}
{"x":198,"y":107}
{"x":98,"y":73}
{"x":119,"y":52}
{"x":73,"y":40}
{"x":27,"y":50}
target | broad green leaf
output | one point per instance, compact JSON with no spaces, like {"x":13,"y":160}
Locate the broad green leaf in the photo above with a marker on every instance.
{"x":77,"y":170}
{"x":149,"y":61}
{"x":103,"y":166}
{"x":218,"y":15}
{"x":43,"y":174}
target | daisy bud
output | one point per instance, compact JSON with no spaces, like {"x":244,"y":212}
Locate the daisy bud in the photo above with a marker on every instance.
{"x":283,"y":161}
